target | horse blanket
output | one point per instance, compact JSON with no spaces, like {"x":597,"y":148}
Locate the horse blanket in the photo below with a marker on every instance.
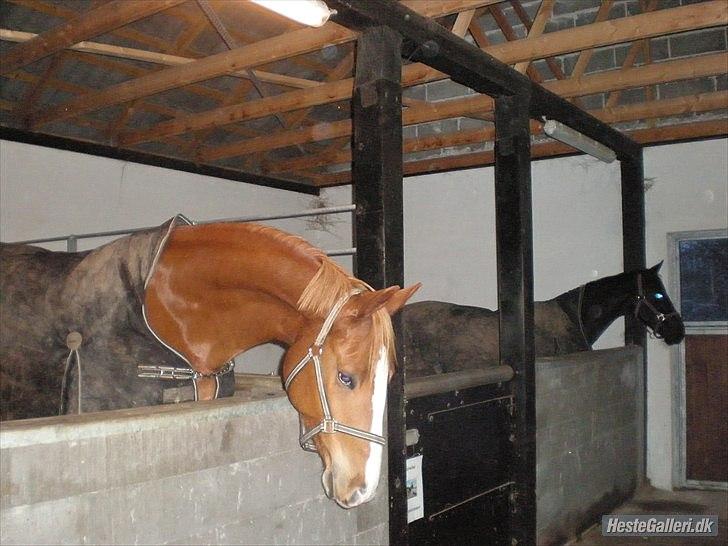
{"x":442,"y":337}
{"x":46,"y":295}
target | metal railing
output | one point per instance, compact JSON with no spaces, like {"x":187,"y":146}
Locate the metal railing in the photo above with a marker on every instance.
{"x":72,"y":240}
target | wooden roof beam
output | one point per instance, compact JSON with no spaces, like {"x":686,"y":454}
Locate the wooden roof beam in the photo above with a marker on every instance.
{"x":133,"y":54}
{"x":606,"y":33}
{"x":670,"y":133}
{"x":705,"y":102}
{"x":265,"y":51}
{"x":100,"y":20}
{"x":707,"y":65}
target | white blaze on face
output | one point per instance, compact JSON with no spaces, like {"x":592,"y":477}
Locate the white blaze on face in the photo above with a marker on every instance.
{"x":379,"y":400}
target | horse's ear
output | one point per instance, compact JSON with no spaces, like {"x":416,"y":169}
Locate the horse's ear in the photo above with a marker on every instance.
{"x":392,"y":299}
{"x":657,"y":266}
{"x":367,"y":303}
{"x":397,"y":301}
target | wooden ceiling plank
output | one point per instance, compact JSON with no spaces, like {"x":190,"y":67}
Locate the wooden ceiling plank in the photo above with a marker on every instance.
{"x":553,"y":65}
{"x":92,"y":23}
{"x":685,"y":131}
{"x":511,"y":36}
{"x":28,"y":102}
{"x":464,"y":18}
{"x":643,"y":111}
{"x":632,"y":53}
{"x":670,"y":20}
{"x":154,"y":57}
{"x":57,"y":10}
{"x":259,"y":53}
{"x":537,"y":28}
{"x":586,"y":54}
{"x":606,"y":81}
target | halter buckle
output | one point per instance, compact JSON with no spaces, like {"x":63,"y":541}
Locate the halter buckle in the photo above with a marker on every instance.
{"x":315,"y":350}
{"x":328,"y":426}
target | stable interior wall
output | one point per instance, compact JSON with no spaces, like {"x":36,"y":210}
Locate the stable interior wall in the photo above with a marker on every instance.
{"x":687,"y":189}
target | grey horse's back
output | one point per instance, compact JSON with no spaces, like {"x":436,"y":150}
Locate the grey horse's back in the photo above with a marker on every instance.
{"x":443,"y":337}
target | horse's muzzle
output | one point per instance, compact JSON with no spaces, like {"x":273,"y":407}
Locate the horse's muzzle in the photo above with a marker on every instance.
{"x":672,"y":331}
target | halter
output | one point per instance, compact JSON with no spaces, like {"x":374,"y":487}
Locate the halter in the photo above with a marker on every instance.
{"x":642,"y":300}
{"x":328,"y":424}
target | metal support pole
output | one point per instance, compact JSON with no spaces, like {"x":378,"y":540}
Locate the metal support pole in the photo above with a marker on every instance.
{"x":515,"y":300}
{"x":634,"y":257}
{"x":378,"y":226}
{"x":633,"y":232}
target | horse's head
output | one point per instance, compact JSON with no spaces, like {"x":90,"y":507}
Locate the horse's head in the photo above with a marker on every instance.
{"x":654,"y":308}
{"x":336,"y":375}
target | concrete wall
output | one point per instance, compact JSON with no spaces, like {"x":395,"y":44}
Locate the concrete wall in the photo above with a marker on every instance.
{"x":222,"y":472}
{"x":589,"y":410}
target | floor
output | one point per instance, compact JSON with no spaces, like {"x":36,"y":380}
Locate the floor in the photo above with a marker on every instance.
{"x":656,"y":501}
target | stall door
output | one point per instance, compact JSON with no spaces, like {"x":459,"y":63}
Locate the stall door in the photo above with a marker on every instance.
{"x":703,"y":265}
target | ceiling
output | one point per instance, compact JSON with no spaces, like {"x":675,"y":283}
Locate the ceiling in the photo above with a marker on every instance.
{"x":228,"y":85}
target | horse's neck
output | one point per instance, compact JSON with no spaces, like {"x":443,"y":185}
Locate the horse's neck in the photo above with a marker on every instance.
{"x":234,"y":286}
{"x":605,"y":300}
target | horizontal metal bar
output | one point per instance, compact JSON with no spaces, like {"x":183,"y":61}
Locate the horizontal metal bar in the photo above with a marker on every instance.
{"x":500,"y":487}
{"x":112,"y":233}
{"x":448,"y":382}
{"x":431,"y":415}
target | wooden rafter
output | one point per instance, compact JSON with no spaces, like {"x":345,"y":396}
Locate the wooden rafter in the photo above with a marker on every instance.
{"x":259,"y":53}
{"x":632,"y":53}
{"x":97,"y":21}
{"x":686,"y":131}
{"x":133,"y":54}
{"x":628,"y":29}
{"x":707,"y":65}
{"x":635,"y":112}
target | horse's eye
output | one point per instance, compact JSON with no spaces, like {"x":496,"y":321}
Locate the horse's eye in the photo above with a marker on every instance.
{"x":346,"y":380}
{"x":659,"y":296}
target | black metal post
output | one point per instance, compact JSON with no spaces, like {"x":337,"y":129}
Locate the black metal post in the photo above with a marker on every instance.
{"x":633,"y":231}
{"x":634,"y":257}
{"x":378,"y":229}
{"x":515,"y":300}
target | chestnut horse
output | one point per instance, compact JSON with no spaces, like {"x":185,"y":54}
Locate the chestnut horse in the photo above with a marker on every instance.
{"x":199,"y":296}
{"x":220,"y":289}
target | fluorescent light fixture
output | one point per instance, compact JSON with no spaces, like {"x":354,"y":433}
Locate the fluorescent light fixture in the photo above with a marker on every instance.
{"x":313,"y":13}
{"x":569,"y":136}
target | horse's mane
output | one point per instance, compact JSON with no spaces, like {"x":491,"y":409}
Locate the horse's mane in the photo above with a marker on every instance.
{"x":331,"y":283}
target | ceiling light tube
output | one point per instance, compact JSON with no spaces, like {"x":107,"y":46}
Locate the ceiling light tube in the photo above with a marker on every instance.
{"x":313,"y":13}
{"x":569,"y":136}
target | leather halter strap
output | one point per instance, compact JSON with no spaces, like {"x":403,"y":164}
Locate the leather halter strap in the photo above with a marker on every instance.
{"x":642,"y":300}
{"x":328,"y":424}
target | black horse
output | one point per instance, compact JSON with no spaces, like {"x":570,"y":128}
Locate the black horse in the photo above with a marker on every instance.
{"x":444,"y":337}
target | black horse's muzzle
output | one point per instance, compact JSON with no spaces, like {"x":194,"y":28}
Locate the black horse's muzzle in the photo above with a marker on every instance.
{"x":671,"y":330}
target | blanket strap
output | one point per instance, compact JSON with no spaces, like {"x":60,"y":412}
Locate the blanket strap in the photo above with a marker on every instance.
{"x":73,"y":342}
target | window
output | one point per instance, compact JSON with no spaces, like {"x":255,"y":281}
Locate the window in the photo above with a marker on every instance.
{"x":704,"y":279}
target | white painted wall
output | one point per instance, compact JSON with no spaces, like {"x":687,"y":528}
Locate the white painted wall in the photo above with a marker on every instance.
{"x":689,"y":192}
{"x":450,"y":232}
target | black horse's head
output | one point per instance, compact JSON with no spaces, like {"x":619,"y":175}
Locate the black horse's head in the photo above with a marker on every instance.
{"x":654,"y":308}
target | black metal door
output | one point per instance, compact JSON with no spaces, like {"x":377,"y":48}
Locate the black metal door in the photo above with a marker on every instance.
{"x":465,"y":448}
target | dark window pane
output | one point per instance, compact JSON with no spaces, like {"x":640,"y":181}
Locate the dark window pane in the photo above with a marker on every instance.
{"x":704,"y":279}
